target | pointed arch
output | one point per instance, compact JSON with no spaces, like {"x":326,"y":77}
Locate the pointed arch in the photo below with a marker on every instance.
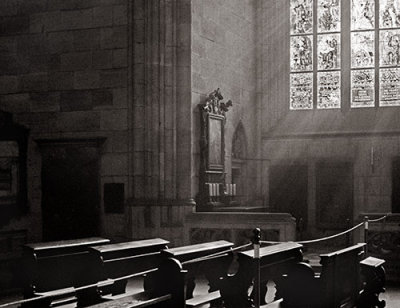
{"x":239,"y":172}
{"x":239,"y":143}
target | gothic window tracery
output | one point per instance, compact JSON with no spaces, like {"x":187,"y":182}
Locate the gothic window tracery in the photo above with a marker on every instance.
{"x":316,"y":69}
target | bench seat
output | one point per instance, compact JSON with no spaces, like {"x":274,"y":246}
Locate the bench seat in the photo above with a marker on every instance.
{"x":202,"y":299}
{"x":142,"y":299}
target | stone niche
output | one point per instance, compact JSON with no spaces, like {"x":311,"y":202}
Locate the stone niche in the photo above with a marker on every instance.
{"x":238,"y":227}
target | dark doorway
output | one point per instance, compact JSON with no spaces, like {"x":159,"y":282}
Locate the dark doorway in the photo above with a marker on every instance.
{"x":70,"y":191}
{"x":288,"y":190}
{"x":396,"y":186}
{"x":334,"y":194}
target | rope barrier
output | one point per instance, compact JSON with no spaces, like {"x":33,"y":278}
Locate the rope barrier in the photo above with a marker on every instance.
{"x":332,"y":236}
{"x":319,"y":239}
{"x":208,"y":257}
{"x":378,"y":219}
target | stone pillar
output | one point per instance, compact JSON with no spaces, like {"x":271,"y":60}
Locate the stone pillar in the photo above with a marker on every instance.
{"x":160,"y":111}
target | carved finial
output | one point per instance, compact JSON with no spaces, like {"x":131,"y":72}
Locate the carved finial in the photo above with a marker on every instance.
{"x":214,"y":103}
{"x":257,"y":236}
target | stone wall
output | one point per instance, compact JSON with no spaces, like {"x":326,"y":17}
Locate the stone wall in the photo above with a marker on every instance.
{"x":372,"y":173}
{"x":64,"y":74}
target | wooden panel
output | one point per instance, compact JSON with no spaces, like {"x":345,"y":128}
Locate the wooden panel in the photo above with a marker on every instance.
{"x":288,"y":188}
{"x":334,"y":194}
{"x":70,"y":200}
{"x":396,"y":186}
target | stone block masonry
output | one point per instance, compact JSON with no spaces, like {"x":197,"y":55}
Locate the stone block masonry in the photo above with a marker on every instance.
{"x":63,"y":74}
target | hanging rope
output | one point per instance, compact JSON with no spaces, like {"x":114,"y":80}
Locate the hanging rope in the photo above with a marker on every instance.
{"x":332,"y":236}
{"x":378,"y":219}
{"x":319,"y":239}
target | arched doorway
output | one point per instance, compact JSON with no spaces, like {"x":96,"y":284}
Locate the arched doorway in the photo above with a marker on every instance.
{"x":70,"y":189}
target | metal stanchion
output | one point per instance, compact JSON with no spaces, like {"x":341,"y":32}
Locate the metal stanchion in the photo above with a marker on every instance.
{"x":348,"y":226}
{"x":366,"y":226}
{"x":256,"y":286}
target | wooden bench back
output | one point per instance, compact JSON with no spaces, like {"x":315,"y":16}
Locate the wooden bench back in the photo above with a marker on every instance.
{"x":338,"y":285}
{"x":117,"y":260}
{"x":113,"y":261}
{"x":195,"y":260}
{"x":274,"y":261}
{"x":55,"y":265}
{"x":340,"y":276}
{"x":190,"y":252}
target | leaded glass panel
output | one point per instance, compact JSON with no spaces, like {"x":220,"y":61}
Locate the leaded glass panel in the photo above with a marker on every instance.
{"x":328,"y":90}
{"x":362,"y":14}
{"x":328,"y":15}
{"x":389,"y":48}
{"x":301,"y":91}
{"x":328,"y":51}
{"x":389,"y":87}
{"x":301,"y":53}
{"x":389,"y":13}
{"x":362,"y":49}
{"x":362,"y":88}
{"x":301,"y":16}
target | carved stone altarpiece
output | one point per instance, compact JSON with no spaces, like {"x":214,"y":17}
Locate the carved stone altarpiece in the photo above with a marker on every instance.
{"x":212,"y":144}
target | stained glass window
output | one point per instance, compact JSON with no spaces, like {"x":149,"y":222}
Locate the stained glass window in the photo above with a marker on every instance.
{"x":328,"y":16}
{"x":389,"y":13}
{"x":301,"y":16}
{"x":362,"y":88}
{"x":389,"y":47}
{"x":328,"y":90}
{"x":389,"y":88}
{"x":301,"y":53}
{"x":301,"y":91}
{"x":362,"y":49}
{"x":328,"y":51}
{"x":362,"y":14}
{"x":316,"y":70}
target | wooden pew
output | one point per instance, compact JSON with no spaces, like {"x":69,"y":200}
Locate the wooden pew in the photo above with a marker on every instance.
{"x":373,"y":283}
{"x":213,"y":268}
{"x":338,"y":285}
{"x":111,"y":261}
{"x":274,"y":261}
{"x":53,"y":266}
{"x":165,"y":288}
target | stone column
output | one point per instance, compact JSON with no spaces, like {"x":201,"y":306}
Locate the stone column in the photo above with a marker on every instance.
{"x":160,"y":112}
